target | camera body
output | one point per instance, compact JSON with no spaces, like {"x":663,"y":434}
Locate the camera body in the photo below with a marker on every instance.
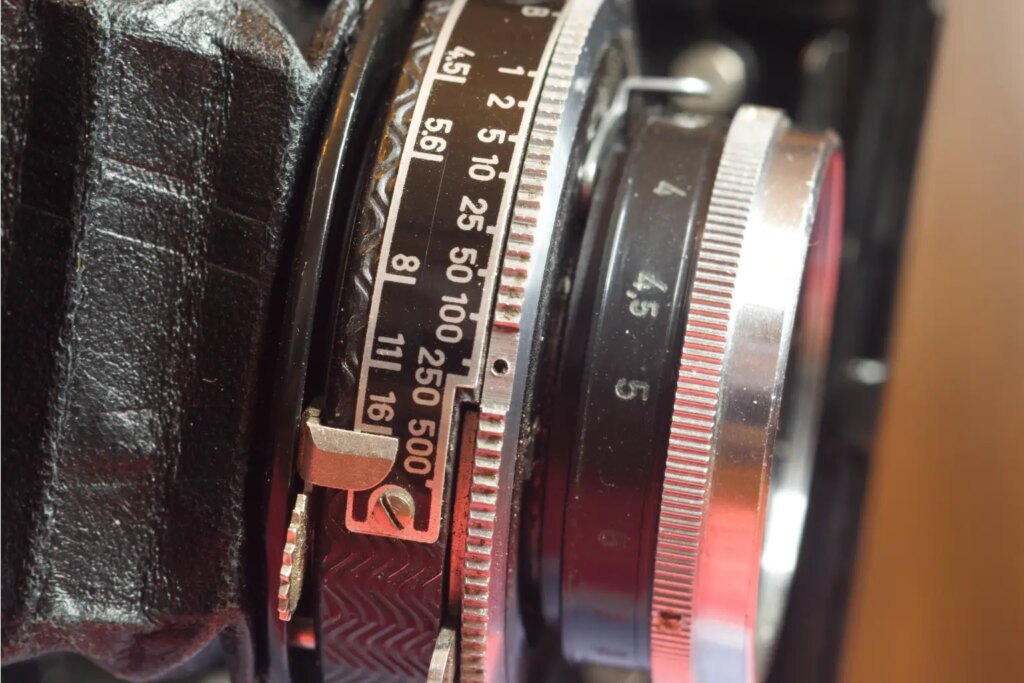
{"x":183,"y":265}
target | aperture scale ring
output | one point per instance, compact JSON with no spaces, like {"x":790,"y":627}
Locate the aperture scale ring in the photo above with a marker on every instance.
{"x":356,"y":607}
{"x":403,"y":548}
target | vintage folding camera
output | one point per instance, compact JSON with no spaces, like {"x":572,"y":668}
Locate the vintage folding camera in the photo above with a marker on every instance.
{"x":454,"y":340}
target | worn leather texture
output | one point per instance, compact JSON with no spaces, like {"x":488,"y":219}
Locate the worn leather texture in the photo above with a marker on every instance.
{"x":154,"y":155}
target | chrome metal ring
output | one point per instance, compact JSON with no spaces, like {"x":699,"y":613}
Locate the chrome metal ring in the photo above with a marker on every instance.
{"x":772,"y":226}
{"x":489,"y":623}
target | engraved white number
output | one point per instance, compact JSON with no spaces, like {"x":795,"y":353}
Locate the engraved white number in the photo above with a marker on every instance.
{"x":433,"y":143}
{"x":420,"y":448}
{"x":458,"y":271}
{"x":432,"y":138}
{"x":471,"y":216}
{"x":435,"y":358}
{"x":426,"y":396}
{"x":645,"y":283}
{"x":506,"y":102}
{"x":452,"y":66}
{"x":455,"y":68}
{"x":429,"y":376}
{"x":629,"y":389}
{"x":416,"y":465}
{"x":644,"y":309}
{"x":422,"y":427}
{"x":452,"y":312}
{"x":450,"y":334}
{"x":458,"y":52}
{"x":491,"y":135}
{"x":664,"y":188}
{"x":380,"y":408}
{"x":393,"y":348}
{"x":437,"y":125}
{"x":405,"y":264}
{"x":482,"y":168}
{"x":462,"y":255}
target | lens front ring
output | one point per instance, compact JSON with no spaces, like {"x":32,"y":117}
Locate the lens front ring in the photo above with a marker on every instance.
{"x":747,"y":281}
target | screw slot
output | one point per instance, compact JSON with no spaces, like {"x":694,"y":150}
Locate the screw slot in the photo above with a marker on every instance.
{"x":500,"y":367}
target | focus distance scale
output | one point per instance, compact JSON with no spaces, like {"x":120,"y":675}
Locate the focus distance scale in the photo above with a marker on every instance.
{"x":579,"y":338}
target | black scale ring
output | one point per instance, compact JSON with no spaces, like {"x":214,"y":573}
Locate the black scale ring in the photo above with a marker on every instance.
{"x":381,"y":598}
{"x":619,"y":382}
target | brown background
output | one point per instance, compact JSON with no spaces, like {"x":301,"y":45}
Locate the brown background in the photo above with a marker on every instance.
{"x":940,"y":589}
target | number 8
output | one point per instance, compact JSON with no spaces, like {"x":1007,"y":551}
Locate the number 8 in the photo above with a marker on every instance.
{"x":406,"y":264}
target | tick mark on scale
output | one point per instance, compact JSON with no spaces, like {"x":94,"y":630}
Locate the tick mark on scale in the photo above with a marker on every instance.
{"x":665,"y":188}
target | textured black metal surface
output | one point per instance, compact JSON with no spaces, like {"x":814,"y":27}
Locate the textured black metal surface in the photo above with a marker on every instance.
{"x":545,"y":499}
{"x":371,"y":60}
{"x":150,"y":157}
{"x":629,"y":383}
{"x":380,"y":599}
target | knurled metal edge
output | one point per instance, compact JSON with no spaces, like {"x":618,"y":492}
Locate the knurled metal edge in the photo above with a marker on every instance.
{"x":482,"y":514}
{"x":518,"y":254}
{"x":710,"y":319}
{"x":477,"y":648}
{"x":293,"y":559}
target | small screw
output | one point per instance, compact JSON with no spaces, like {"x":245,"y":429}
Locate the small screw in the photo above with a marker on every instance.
{"x":398,"y":507}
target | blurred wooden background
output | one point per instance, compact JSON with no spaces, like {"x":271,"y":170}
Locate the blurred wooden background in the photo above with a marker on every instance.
{"x":940,"y":588}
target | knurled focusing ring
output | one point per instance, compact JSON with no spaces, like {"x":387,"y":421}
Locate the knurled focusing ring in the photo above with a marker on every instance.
{"x":749,"y":270}
{"x":627,"y":384}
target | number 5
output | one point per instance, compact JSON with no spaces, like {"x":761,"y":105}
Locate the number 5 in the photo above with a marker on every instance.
{"x":628,"y":389}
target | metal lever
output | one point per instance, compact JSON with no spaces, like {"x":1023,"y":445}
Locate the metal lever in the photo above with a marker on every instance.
{"x":616,"y":111}
{"x":332,"y":458}
{"x":342,"y":459}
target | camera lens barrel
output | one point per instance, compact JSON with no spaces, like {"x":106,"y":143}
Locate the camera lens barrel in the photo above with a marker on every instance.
{"x":709,"y":302}
{"x":562,"y":395}
{"x":628,"y":382}
{"x":765,"y":224}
